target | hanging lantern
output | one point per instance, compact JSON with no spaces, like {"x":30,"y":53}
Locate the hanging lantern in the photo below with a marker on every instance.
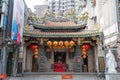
{"x":35,"y":56}
{"x":84,"y":53}
{"x":83,"y":49}
{"x":36,"y":52}
{"x":84,"y":56}
{"x":55,"y":43}
{"x":48,"y":50}
{"x":35,"y":46}
{"x":87,"y":46}
{"x":66,"y":43}
{"x":72,"y":43}
{"x":60,"y":43}
{"x":49,"y":43}
{"x":32,"y":47}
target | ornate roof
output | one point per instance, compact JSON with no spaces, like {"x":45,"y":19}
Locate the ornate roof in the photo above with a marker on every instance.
{"x":49,"y":25}
{"x":68,"y":23}
{"x":34,"y":33}
{"x":43,"y":27}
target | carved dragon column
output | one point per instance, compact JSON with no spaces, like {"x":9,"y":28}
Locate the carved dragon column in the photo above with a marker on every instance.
{"x":78,"y":59}
{"x":42,"y":57}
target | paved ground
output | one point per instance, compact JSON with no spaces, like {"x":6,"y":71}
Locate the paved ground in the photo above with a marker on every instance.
{"x":54,"y":77}
{"x":59,"y":77}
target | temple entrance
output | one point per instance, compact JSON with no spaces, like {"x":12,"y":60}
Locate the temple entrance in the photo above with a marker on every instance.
{"x":85,"y":64}
{"x":34,"y":64}
{"x":10,"y":61}
{"x":59,"y":61}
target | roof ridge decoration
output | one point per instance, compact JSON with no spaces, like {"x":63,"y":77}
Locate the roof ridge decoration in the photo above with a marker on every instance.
{"x":84,"y":33}
{"x":67,"y":23}
{"x":49,"y":25}
{"x":40,"y":26}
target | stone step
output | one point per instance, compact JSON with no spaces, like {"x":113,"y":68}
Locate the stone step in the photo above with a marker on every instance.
{"x":56,"y":77}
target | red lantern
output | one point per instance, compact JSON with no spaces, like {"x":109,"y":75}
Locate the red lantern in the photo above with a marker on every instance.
{"x":83,"y":46}
{"x":36,"y":50}
{"x":32,"y":47}
{"x":87,"y":46}
{"x":61,"y":43}
{"x":35,"y":46}
{"x":66,"y":43}
{"x":84,"y":53}
{"x":72,"y":43}
{"x":84,"y":56}
{"x":35,"y":56}
{"x":55,"y":43}
{"x":49,"y":43}
{"x":84,"y":49}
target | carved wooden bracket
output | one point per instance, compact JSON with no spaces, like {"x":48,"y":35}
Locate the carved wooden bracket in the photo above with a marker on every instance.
{"x":80,"y":40}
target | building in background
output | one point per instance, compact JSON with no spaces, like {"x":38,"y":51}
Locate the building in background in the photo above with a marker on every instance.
{"x":9,"y":50}
{"x":40,"y":10}
{"x":79,"y":5}
{"x":3,"y":27}
{"x":26,"y":13}
{"x":61,"y":7}
{"x":104,"y":16}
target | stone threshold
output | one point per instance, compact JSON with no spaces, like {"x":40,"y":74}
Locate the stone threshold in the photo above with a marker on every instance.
{"x":59,"y":73}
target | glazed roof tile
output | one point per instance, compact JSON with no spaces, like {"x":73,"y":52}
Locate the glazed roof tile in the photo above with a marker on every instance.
{"x":69,"y":23}
{"x":85,"y":33}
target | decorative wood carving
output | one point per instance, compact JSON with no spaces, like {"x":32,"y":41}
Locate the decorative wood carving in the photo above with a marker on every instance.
{"x":80,"y":40}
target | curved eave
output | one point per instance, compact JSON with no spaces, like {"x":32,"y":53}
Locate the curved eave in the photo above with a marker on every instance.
{"x":58,"y":35}
{"x":43,"y":27}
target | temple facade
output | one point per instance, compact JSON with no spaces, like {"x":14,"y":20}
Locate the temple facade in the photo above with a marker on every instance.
{"x":62,"y":47}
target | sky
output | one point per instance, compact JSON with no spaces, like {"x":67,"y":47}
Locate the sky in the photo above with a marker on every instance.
{"x":32,"y":3}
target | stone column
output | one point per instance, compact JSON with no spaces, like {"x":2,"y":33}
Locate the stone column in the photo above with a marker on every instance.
{"x":52,"y":56}
{"x":78,"y":61}
{"x":24,"y":58}
{"x":42,"y":59}
{"x":16,"y":60}
{"x":52,"y":60}
{"x":67,"y":61}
